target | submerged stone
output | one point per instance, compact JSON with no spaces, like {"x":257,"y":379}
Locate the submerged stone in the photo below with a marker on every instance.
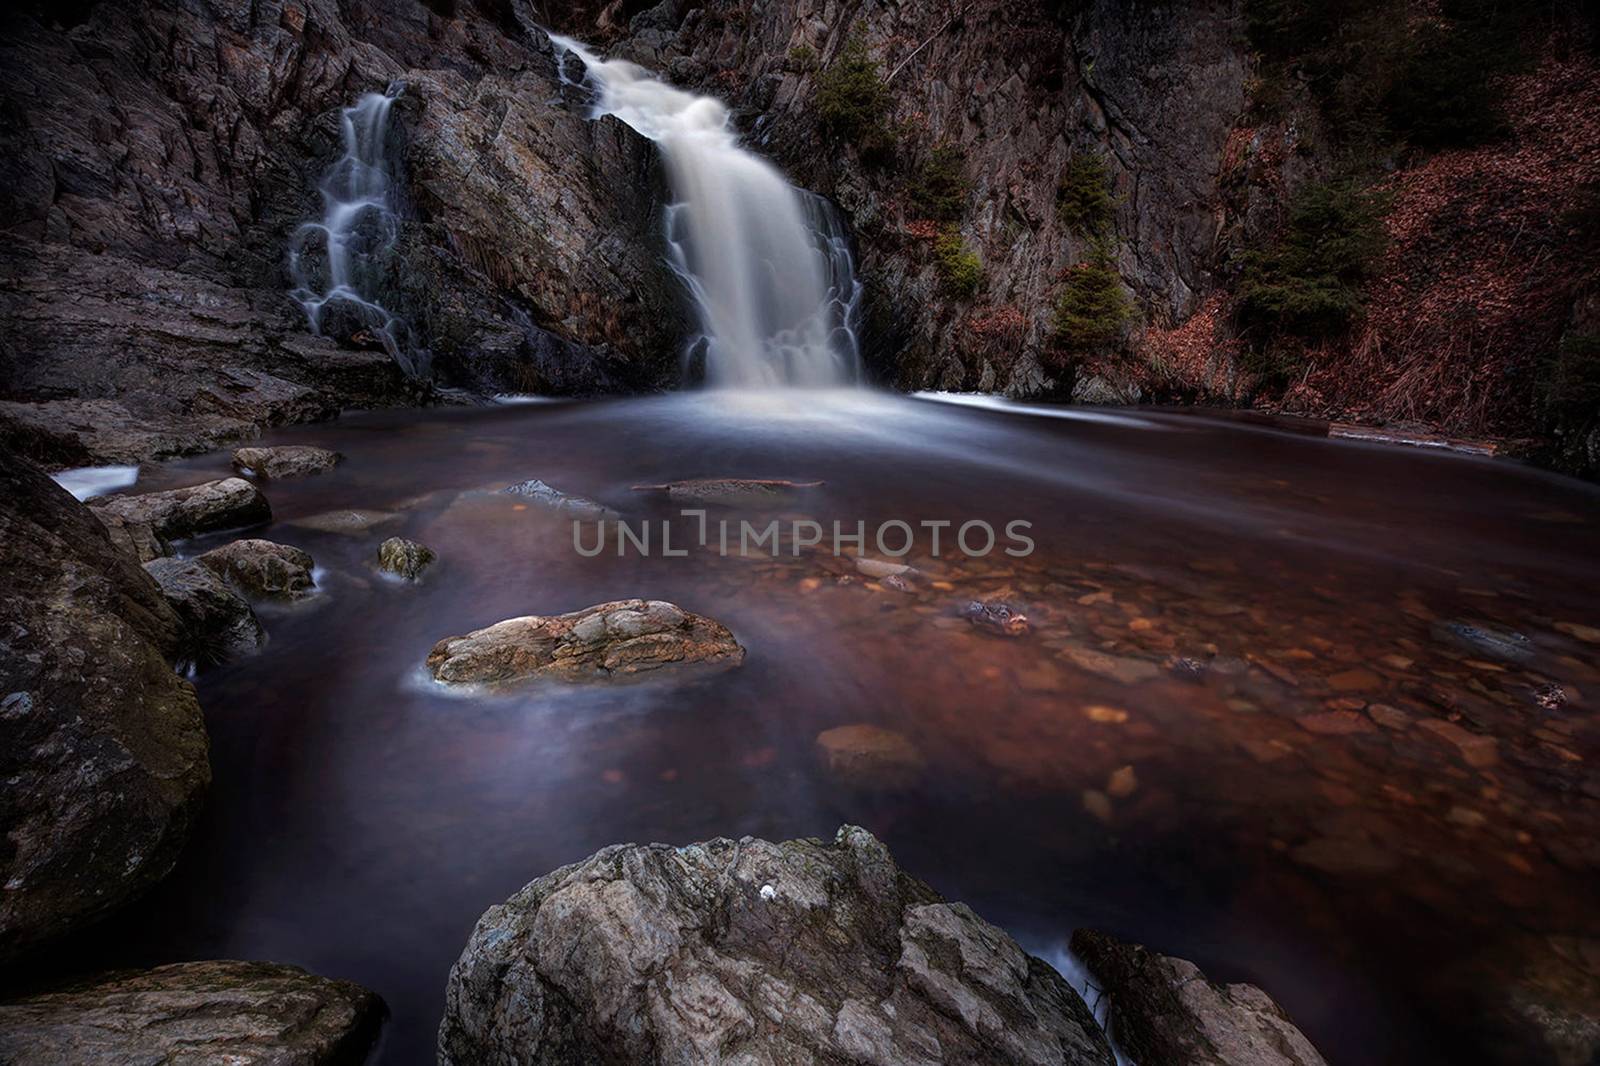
{"x":1497,"y":643}
{"x":870,"y":757}
{"x":732,"y":491}
{"x":620,"y":637}
{"x":756,"y":952}
{"x":351,"y":522}
{"x":556,"y":500}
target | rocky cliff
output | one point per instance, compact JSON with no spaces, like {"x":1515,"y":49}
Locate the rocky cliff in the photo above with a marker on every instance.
{"x":158,"y":157}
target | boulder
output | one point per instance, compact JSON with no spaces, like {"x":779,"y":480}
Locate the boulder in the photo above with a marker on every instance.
{"x":229,"y":503}
{"x":137,"y":539}
{"x":263,"y":569}
{"x":102,"y":746}
{"x":758,"y":493}
{"x":289,"y":460}
{"x":621,"y":637}
{"x":870,"y":757}
{"x":216,"y":623}
{"x":405,"y":558}
{"x":241,"y":1013}
{"x":1164,"y":1010}
{"x":753,"y":952}
{"x":556,"y":500}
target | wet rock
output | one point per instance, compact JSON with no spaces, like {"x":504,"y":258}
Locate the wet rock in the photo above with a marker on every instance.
{"x":556,"y":500}
{"x":286,"y":461}
{"x":241,"y":1013}
{"x":217,"y":624}
{"x":102,"y":746}
{"x":1356,"y":680}
{"x":229,"y":503}
{"x":406,"y":558}
{"x":1118,"y":668}
{"x":353,"y":522}
{"x":750,"y":951}
{"x":1334,"y":723}
{"x":1389,"y":717}
{"x":879,"y":568}
{"x":262,"y":569}
{"x":996,"y":616}
{"x":1587,"y":634}
{"x":608,"y":639}
{"x":754,"y":493}
{"x":1164,"y":1010}
{"x":1184,"y":668}
{"x":1549,"y":696}
{"x":1476,"y":750}
{"x":870,"y":757}
{"x":1502,"y":644}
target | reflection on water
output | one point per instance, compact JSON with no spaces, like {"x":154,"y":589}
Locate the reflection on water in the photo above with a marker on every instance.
{"x":1262,"y":719}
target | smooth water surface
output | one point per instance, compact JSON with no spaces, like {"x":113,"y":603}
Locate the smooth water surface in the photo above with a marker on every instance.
{"x":1287,"y":819}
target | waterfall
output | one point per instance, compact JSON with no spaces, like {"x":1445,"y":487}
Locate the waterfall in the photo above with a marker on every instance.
{"x":338,"y":264}
{"x":766,"y":265}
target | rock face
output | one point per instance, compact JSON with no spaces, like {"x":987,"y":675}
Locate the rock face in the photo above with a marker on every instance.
{"x":102,"y":747}
{"x":752,"y":952}
{"x":1164,"y":1010}
{"x":263,"y":569}
{"x":216,"y":624}
{"x":608,"y":639}
{"x":230,"y":503}
{"x":146,"y":311}
{"x":242,"y":1013}
{"x":405,"y":558}
{"x":290,"y":460}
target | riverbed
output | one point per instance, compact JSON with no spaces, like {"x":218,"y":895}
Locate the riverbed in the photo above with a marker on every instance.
{"x":1314,"y":714}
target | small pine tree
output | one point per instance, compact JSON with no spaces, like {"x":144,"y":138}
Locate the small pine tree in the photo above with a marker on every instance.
{"x":852,"y":101}
{"x":1093,"y":309}
{"x":939,"y":190}
{"x":1084,"y":199}
{"x":959,"y":268}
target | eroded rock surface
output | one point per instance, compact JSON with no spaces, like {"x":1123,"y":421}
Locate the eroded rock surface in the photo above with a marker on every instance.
{"x":753,"y":952}
{"x":616,"y":638}
{"x":102,"y":747}
{"x":216,"y":623}
{"x":263,"y":569}
{"x":289,"y":460}
{"x":228,"y":503}
{"x":240,"y":1013}
{"x":1163,"y":1010}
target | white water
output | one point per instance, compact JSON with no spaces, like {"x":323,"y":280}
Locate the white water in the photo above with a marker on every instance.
{"x":767,"y":265}
{"x":339,"y":263}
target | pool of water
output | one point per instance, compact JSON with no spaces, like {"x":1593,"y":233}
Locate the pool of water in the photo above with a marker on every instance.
{"x":1362,"y":790}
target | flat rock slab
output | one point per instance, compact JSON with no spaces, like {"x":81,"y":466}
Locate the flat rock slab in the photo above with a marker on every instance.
{"x":1163,"y":1010}
{"x":352,"y":522}
{"x":263,"y":569}
{"x":241,"y":1013}
{"x":289,"y":460}
{"x":870,"y":757}
{"x":228,"y":503}
{"x":753,"y":952}
{"x":759,"y":493}
{"x":608,"y":639}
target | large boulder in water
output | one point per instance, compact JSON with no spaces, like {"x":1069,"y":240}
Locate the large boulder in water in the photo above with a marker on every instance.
{"x":216,"y":623}
{"x":102,"y":747}
{"x":228,"y":503}
{"x":263,"y":569}
{"x":608,"y":639}
{"x":242,"y":1013}
{"x":1163,"y":1010}
{"x":753,"y":952}
{"x":404,"y":558}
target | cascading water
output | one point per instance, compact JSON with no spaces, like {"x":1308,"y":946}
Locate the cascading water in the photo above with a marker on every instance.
{"x":338,"y":264}
{"x":767,"y":265}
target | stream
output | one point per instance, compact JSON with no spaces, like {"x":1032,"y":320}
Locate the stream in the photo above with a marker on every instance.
{"x":1210,"y":741}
